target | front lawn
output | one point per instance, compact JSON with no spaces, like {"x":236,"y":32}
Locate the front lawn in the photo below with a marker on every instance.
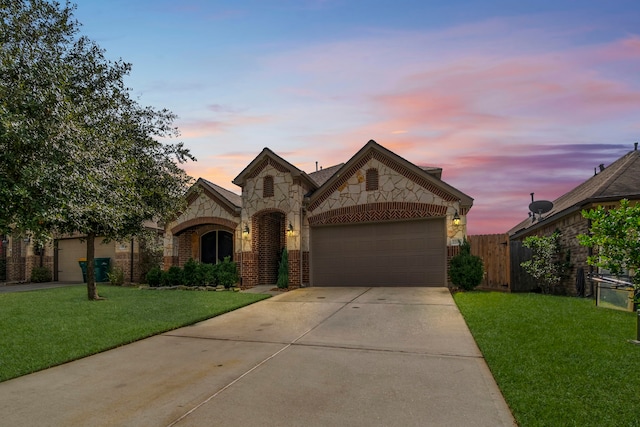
{"x":44,"y":328}
{"x":559,"y":361}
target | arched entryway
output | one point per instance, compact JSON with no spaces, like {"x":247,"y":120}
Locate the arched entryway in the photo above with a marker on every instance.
{"x":269,"y":241}
{"x":215,"y":246}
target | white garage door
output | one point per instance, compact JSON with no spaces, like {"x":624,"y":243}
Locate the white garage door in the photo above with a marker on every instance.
{"x":404,"y":253}
{"x":70,"y":250}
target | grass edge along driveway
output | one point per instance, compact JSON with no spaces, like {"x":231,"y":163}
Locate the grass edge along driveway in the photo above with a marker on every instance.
{"x":559,"y":361}
{"x":44,"y":328}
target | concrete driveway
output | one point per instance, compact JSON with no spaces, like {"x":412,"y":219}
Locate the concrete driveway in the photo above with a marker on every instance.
{"x":312,"y":357}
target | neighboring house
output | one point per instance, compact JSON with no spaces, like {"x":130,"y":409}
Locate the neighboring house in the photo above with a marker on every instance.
{"x":19,"y":255}
{"x":376,"y":220}
{"x":606,"y":188}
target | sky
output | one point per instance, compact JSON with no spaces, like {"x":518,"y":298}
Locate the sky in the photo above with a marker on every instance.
{"x":508,"y":97}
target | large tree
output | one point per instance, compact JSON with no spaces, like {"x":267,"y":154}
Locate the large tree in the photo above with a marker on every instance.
{"x":78,"y":153}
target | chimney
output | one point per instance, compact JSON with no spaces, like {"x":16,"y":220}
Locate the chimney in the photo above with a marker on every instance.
{"x":532,"y":197}
{"x":635,"y":146}
{"x":601,"y":167}
{"x":316,"y":166}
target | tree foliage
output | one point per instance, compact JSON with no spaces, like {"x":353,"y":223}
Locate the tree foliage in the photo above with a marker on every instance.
{"x":548,"y":262}
{"x":77,"y":152}
{"x":466,"y":270}
{"x":615,"y":236}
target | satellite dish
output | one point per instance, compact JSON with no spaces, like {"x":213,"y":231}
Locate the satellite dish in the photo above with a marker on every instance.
{"x":540,"y":206}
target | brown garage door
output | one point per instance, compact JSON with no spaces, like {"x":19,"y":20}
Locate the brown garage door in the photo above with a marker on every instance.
{"x":70,"y":250}
{"x":405,"y":253}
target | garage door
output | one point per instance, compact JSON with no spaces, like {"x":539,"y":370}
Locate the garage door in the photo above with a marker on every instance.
{"x":406,"y":253}
{"x":70,"y":250}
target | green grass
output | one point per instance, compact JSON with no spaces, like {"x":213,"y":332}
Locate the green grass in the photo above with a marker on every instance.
{"x":559,"y":361}
{"x":45,"y":328}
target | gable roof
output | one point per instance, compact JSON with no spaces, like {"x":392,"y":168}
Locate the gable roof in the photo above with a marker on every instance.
{"x":228,"y":200}
{"x":230,"y":196}
{"x":618,"y":181}
{"x":268,"y":157}
{"x":425,"y":178}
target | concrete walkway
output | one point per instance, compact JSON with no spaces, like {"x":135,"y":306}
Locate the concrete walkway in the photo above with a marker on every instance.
{"x":312,"y":357}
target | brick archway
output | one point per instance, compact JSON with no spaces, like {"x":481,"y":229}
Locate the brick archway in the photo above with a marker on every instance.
{"x":268,"y":241}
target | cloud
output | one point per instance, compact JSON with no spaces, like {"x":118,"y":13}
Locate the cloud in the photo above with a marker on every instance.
{"x":506,"y":106}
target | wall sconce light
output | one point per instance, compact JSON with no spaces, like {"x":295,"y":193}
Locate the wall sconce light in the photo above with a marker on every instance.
{"x":5,"y":241}
{"x":245,"y":231}
{"x":456,"y":218}
{"x":290,"y":229}
{"x":26,"y":240}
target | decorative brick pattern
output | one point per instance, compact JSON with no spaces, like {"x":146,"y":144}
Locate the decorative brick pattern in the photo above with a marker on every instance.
{"x":391,"y":164}
{"x":231,"y":225}
{"x":373,"y":212}
{"x":263,"y":164}
{"x":423,"y":182}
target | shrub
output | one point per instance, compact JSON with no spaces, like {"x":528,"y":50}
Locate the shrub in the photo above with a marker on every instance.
{"x":192,"y":273}
{"x":283,"y":270}
{"x":40,"y":275}
{"x":172,"y":277}
{"x":154,"y":277}
{"x":549,"y":262}
{"x":116,"y":276}
{"x":227,"y":273}
{"x":208,"y":273}
{"x":466,"y":270}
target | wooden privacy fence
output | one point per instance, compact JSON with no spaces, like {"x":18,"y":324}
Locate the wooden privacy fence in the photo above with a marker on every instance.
{"x":494,"y":251}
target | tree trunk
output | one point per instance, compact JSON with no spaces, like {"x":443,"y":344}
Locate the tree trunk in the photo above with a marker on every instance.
{"x":92,"y":289}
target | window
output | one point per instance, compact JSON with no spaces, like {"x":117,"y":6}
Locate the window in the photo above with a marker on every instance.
{"x":372,"y":179}
{"x":215,"y":246}
{"x":267,"y":186}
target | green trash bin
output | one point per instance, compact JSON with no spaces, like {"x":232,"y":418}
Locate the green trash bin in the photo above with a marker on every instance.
{"x":101,"y":269}
{"x":83,"y":267}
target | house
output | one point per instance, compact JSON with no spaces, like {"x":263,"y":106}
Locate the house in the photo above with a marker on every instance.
{"x":20,"y":254}
{"x":376,"y":220}
{"x":620,"y":180}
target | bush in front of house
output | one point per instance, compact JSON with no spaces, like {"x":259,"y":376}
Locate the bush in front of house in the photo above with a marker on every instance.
{"x":40,"y":275}
{"x":466,"y":270}
{"x":154,"y":277}
{"x":207,"y":273}
{"x":116,"y":276}
{"x":191,"y":273}
{"x":226,"y":273}
{"x":172,"y":277}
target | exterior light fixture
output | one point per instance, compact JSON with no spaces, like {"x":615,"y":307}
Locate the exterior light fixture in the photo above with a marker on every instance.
{"x":456,"y":218}
{"x":290,"y":229}
{"x":246,"y":229}
{"x":26,"y":240}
